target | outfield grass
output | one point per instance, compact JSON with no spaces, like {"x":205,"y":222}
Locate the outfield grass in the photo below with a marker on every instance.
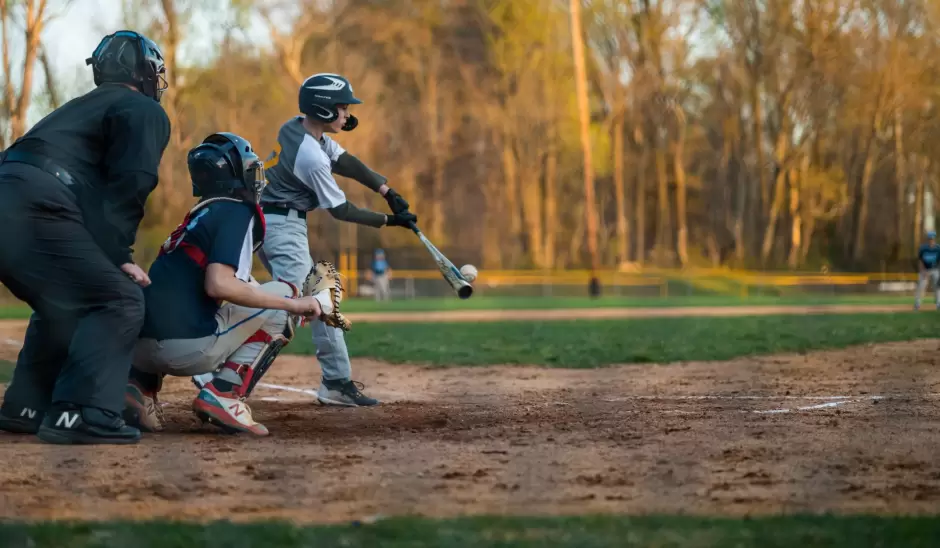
{"x":591,"y":343}
{"x":573,"y":532}
{"x":426,"y":304}
{"x":6,"y":370}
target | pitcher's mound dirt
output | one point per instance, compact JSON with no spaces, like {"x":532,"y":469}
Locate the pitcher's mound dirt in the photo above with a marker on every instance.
{"x":853,"y":430}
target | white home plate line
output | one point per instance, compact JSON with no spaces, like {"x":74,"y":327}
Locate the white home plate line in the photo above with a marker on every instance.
{"x":817,"y":406}
{"x":289,"y":389}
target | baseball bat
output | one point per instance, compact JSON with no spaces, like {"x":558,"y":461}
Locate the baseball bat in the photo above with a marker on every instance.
{"x":451,"y":275}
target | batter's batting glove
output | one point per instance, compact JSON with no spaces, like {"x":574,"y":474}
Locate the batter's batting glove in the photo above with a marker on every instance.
{"x":395,"y":202}
{"x":404,"y":219}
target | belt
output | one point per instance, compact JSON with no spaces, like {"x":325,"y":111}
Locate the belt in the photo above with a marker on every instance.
{"x":278,"y":210}
{"x":40,"y":162}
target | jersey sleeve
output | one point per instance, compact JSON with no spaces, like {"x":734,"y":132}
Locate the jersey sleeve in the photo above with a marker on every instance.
{"x":227,"y":229}
{"x":332,"y":149}
{"x":318,"y":177}
{"x":137,"y":136}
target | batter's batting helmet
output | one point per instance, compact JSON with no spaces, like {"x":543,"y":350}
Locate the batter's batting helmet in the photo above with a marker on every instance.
{"x":224,"y":164}
{"x":321,"y":93}
{"x":128,"y":57}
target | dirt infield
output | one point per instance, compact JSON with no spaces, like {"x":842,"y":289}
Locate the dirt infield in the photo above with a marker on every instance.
{"x":852,"y":430}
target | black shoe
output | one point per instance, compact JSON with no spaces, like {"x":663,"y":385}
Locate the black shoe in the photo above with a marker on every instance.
{"x":20,"y":420}
{"x":72,"y":424}
{"x":345,"y":393}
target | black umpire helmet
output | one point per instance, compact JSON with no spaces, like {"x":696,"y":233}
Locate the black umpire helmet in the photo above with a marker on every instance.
{"x":224,"y":164}
{"x":321,"y":93}
{"x":128,"y":57}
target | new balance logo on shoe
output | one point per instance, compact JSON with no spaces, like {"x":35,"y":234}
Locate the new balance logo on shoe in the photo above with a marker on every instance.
{"x":67,"y":419}
{"x":236,"y":409}
{"x":28,"y":413}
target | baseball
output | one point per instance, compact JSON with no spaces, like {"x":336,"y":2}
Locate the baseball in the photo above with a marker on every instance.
{"x":469,"y":272}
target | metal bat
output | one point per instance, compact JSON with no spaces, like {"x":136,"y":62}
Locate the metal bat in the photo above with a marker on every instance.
{"x":447,"y":268}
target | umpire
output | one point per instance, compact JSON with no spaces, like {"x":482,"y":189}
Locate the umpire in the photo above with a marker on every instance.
{"x":72,"y":194}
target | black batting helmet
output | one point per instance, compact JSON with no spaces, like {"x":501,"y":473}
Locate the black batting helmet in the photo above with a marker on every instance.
{"x":321,"y":93}
{"x":223,"y":164}
{"x":128,"y":57}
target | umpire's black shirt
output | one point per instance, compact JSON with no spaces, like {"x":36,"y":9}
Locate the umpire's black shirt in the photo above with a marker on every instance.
{"x":111,"y":140}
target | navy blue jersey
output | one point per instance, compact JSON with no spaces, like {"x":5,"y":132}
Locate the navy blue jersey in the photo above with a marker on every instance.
{"x":177,"y":305}
{"x":929,"y":255}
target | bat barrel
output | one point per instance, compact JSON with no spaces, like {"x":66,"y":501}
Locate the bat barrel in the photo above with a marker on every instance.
{"x":465,"y":291}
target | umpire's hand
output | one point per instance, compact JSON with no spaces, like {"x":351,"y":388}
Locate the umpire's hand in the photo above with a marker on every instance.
{"x":136,"y":273}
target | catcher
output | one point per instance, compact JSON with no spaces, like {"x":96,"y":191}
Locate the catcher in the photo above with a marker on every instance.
{"x":205,"y":261}
{"x":301,"y":180}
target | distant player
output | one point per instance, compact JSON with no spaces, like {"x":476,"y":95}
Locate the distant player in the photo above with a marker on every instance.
{"x":72,"y":194}
{"x":301,"y":180}
{"x":380,"y":273}
{"x":204,"y":263}
{"x":928,"y":264}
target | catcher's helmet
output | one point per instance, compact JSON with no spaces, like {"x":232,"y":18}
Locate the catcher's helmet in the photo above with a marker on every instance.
{"x":127,"y":57}
{"x":223,"y":164}
{"x":321,"y":93}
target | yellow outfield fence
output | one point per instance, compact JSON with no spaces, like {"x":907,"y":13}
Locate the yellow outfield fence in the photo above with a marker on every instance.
{"x":657,"y":281}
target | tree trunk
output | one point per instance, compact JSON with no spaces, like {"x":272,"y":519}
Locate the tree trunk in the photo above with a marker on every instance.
{"x":639,"y":216}
{"x":682,"y":240}
{"x":623,"y":234}
{"x":662,"y":193}
{"x":581,"y":86}
{"x":758,"y":128}
{"x":860,"y":227}
{"x":51,"y":88}
{"x":918,"y":234}
{"x":8,"y":96}
{"x":796,"y":181}
{"x":780,"y":153}
{"x":532,"y":215}
{"x":740,"y":243}
{"x":900,"y":171}
{"x":432,"y":100}
{"x":34,"y":24}
{"x":511,"y":193}
{"x":551,"y":203}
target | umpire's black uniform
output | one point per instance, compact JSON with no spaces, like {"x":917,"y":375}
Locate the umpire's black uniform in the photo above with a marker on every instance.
{"x":72,"y":194}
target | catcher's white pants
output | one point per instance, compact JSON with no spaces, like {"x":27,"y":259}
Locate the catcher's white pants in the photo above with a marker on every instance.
{"x":933,"y":275}
{"x":186,"y":357}
{"x":286,"y":256}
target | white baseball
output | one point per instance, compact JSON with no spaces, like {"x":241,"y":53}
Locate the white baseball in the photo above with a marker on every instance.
{"x":469,"y":272}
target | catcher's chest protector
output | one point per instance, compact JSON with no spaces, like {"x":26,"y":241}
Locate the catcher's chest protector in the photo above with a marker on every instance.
{"x":176,"y":237}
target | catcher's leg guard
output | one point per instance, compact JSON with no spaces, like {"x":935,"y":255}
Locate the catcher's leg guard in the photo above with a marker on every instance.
{"x":245,"y":376}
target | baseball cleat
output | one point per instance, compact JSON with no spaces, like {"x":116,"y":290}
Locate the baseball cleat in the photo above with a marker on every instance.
{"x":70,"y":424}
{"x":141,"y":408}
{"x":345,"y":393}
{"x":20,"y":420}
{"x":227,"y":411}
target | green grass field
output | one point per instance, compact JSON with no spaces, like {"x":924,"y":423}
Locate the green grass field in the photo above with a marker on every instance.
{"x":557,"y":344}
{"x":20,"y":311}
{"x":592,"y":343}
{"x":581,"y":532}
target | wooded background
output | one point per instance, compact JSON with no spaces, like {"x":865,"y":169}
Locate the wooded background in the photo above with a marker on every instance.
{"x":773,"y":134}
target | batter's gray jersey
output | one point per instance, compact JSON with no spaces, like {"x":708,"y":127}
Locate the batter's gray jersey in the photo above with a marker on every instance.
{"x":302,"y":176}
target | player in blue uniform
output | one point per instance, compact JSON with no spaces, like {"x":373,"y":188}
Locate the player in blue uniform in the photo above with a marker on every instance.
{"x":928,"y":264}
{"x":204,"y":263}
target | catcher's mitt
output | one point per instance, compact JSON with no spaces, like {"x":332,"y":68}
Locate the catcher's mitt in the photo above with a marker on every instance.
{"x":323,"y":283}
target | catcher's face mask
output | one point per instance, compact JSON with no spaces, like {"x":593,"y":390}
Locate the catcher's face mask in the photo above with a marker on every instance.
{"x":255,"y":179}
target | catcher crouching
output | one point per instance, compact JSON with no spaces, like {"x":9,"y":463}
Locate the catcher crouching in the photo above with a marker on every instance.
{"x":204,"y":311}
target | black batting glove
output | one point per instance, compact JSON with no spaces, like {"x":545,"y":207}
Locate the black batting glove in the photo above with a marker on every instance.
{"x":395,"y":202}
{"x":404,"y":219}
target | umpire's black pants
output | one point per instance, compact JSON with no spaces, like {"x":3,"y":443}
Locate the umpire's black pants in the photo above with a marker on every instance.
{"x":87,"y":312}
